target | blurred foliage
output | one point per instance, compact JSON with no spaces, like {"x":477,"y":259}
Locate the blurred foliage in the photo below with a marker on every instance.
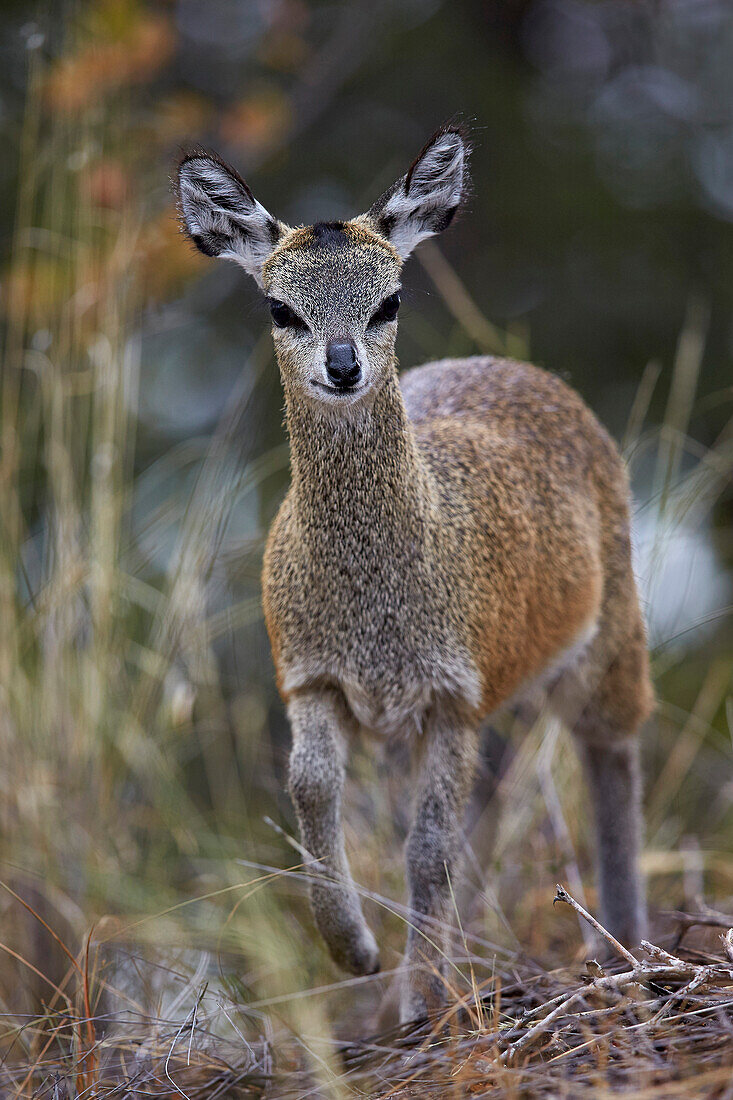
{"x":143,"y":453}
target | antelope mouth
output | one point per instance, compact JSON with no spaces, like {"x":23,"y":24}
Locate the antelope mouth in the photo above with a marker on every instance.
{"x":339,"y":391}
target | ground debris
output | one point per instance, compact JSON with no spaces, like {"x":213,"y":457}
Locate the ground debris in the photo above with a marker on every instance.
{"x":654,"y":1024}
{"x":659,"y":1025}
{"x":146,"y":1067}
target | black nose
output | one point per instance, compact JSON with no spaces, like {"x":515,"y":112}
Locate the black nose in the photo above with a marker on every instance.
{"x":342,"y":366}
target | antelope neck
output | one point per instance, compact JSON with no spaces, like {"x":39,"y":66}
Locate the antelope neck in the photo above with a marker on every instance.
{"x":358,"y":471}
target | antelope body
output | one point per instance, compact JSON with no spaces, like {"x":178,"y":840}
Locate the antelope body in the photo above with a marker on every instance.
{"x":454,"y":540}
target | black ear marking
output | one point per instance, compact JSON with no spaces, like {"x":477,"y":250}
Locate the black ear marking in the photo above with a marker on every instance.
{"x":444,"y":218}
{"x":387,"y":223}
{"x":274,"y":231}
{"x":204,"y":244}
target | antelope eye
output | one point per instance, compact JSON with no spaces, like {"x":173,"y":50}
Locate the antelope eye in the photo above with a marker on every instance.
{"x":387,"y":311}
{"x":283,"y":316}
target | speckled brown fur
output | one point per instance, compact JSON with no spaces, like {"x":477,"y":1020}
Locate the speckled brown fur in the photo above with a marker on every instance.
{"x":452,"y":541}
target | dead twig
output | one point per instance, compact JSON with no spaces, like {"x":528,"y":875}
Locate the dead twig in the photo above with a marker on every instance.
{"x":561,"y":894}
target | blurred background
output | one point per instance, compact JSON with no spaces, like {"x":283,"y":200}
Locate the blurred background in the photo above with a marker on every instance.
{"x":142,"y":457}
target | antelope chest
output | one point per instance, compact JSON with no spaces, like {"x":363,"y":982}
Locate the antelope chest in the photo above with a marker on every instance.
{"x":386,"y":641}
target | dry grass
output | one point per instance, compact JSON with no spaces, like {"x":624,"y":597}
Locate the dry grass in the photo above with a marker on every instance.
{"x":653,"y":1025}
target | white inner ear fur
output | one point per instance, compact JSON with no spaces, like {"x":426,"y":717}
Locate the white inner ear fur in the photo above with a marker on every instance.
{"x":223,"y":218}
{"x":436,"y":187}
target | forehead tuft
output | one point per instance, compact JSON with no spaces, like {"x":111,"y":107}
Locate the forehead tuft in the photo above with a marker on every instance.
{"x":329,"y":235}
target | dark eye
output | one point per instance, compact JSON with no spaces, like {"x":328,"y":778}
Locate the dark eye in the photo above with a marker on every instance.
{"x":387,"y":311}
{"x":283,"y":316}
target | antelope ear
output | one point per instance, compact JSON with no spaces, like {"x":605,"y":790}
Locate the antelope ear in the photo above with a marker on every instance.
{"x":221,"y":215}
{"x":424,"y":201}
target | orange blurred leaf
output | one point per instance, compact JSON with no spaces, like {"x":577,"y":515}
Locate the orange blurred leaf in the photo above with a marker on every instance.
{"x":36,"y":287}
{"x":284,"y":49}
{"x":257,"y":123}
{"x":180,"y":115}
{"x":106,"y":184}
{"x":101,"y":67}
